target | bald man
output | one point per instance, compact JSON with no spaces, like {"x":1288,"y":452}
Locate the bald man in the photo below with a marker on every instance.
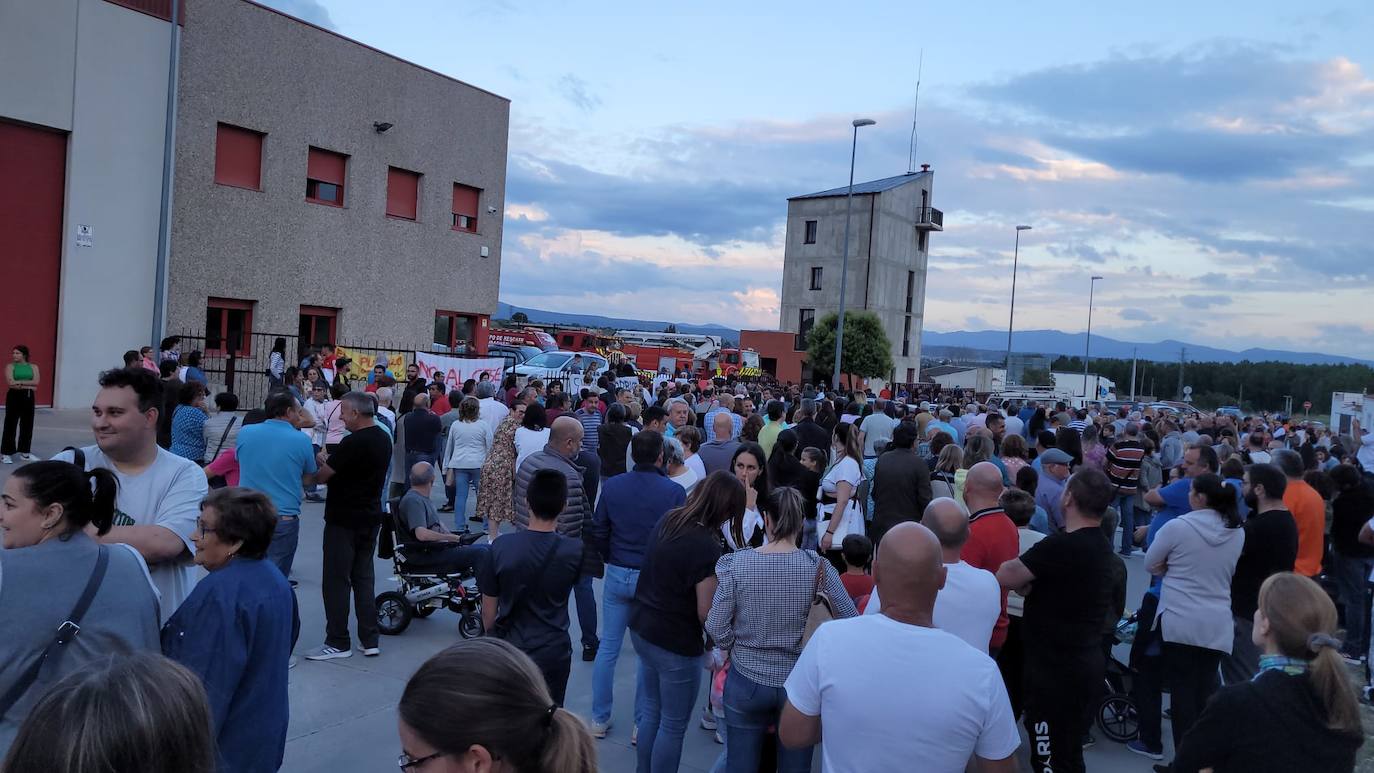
{"x":993,"y":538}
{"x":883,"y":690}
{"x":971,"y":601}
{"x":720,"y":449}
{"x":418,"y":522}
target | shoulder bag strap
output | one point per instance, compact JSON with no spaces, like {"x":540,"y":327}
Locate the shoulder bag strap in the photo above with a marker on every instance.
{"x":224,"y":436}
{"x":64,"y":634}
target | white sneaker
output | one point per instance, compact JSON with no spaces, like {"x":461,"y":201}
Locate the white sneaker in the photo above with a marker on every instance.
{"x":599,"y":729}
{"x":6,"y":459}
{"x":326,"y":652}
{"x":28,"y":457}
{"x":370,"y":652}
{"x":708,"y":720}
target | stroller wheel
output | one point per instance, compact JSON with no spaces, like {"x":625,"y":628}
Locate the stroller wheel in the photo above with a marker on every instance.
{"x":425,"y":610}
{"x":470,"y":626}
{"x":1117,"y":718}
{"x":393,"y":612}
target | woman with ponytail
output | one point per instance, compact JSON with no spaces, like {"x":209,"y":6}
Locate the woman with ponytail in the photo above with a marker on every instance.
{"x":1196,"y":553}
{"x":1299,"y":712}
{"x":51,"y":514}
{"x":482,"y":705}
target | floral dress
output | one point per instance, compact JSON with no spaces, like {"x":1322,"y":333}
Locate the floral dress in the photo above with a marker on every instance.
{"x":495,"y":497}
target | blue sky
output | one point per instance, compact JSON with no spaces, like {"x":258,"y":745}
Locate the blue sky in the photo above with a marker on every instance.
{"x":1216,"y":166}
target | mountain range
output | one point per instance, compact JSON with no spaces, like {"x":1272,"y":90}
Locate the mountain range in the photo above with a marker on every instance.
{"x":992,"y":342}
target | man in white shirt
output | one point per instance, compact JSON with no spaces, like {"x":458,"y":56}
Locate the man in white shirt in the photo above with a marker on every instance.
{"x":489,"y":410}
{"x":886,"y":691}
{"x":971,"y":601}
{"x":1364,"y":449}
{"x":876,"y":428}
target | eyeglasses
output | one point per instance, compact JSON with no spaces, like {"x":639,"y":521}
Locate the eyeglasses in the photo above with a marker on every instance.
{"x":202,"y":529}
{"x":407,"y":762}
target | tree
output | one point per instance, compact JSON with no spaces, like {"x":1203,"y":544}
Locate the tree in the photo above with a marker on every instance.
{"x":519,"y":316}
{"x":867,"y":353}
{"x":1036,"y":377}
{"x":671,"y":328}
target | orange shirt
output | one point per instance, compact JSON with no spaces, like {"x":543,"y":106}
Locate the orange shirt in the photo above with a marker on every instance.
{"x":1309,"y":511}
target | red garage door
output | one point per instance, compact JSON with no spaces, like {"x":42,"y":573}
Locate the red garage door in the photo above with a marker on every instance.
{"x":32,"y":178}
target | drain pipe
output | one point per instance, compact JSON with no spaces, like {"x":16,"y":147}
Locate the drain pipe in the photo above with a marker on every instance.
{"x":164,"y":232}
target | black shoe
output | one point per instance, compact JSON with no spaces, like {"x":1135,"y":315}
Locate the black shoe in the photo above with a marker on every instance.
{"x":475,"y":519}
{"x":1164,"y":768}
{"x":446,"y":509}
{"x":1088,"y":740}
{"x":293,"y":583}
{"x":589,"y":652}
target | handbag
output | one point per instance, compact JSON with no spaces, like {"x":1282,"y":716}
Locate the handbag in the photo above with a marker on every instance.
{"x":822,"y":609}
{"x":218,"y":481}
{"x":67,"y":631}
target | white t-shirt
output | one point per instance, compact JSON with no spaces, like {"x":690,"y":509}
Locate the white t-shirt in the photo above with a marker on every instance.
{"x":1016,"y":603}
{"x":845,"y":470}
{"x":697,"y":466}
{"x":877,"y":427}
{"x":889,"y":694}
{"x":1014,"y":425}
{"x":167,"y":494}
{"x":492,"y":412}
{"x":687,"y":479}
{"x":527,"y":441}
{"x":968,"y":605}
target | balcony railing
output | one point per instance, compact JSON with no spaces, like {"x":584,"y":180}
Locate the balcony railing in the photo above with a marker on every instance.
{"x":930,"y":218}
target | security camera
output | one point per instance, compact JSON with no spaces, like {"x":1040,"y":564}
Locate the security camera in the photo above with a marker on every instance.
{"x":491,"y":210}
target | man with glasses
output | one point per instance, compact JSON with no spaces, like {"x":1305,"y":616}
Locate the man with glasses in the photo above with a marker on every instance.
{"x":356,"y":473}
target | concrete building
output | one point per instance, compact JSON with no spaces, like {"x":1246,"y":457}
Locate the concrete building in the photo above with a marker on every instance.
{"x":888,"y":246}
{"x":329,"y":190}
{"x":83,"y":118}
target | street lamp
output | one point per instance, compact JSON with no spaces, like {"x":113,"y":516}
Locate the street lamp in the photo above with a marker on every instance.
{"x":1087,"y":345}
{"x":844,"y":260}
{"x":1011,"y":316}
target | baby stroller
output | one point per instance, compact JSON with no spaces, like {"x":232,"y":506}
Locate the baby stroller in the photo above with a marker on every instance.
{"x":1116,"y":715}
{"x":422,"y":590}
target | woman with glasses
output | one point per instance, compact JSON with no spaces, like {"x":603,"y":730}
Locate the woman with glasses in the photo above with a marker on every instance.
{"x":482,"y":705}
{"x":237,"y":628}
{"x":48,"y":563}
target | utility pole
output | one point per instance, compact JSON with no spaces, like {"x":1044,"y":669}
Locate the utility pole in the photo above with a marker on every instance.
{"x":1240,"y":401}
{"x":1182,"y":357}
{"x":1134,"y":350}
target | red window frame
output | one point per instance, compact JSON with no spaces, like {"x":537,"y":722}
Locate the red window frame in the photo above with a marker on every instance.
{"x":325,"y":167}
{"x":466,"y":201}
{"x":402,"y":193}
{"x":245,"y":347}
{"x":316,"y":313}
{"x":453,"y":317}
{"x":238,"y":157}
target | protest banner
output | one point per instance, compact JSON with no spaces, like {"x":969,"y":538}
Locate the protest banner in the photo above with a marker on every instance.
{"x":453,"y":371}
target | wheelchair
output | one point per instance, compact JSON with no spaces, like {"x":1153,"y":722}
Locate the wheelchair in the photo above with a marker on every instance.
{"x":424,"y":591}
{"x":1116,"y":714}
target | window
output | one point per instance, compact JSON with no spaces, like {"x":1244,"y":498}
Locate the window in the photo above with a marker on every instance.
{"x":906,"y":337}
{"x":229,"y":326}
{"x":921,"y":237}
{"x":317,"y":325}
{"x":402,"y":193}
{"x":465,"y":201}
{"x":238,"y":157}
{"x":324,"y":183}
{"x":815,"y":277}
{"x":806,"y":318}
{"x":810,"y":232}
{"x":910,"y":289}
{"x":453,"y":332}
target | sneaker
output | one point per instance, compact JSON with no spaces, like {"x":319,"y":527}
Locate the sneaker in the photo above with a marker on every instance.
{"x":370,"y":652}
{"x":708,"y":720}
{"x":634,"y":735}
{"x":719,"y":739}
{"x":313,"y":497}
{"x":28,"y":457}
{"x":446,"y":509}
{"x":1089,"y":741}
{"x":291,"y":662}
{"x":1164,"y":768}
{"x":1138,"y":746}
{"x":6,"y":459}
{"x":599,"y":729}
{"x":589,"y":652}
{"x":326,"y":652}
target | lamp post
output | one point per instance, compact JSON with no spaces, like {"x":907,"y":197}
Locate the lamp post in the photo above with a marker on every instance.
{"x":1087,"y":345}
{"x":1011,"y":315}
{"x":844,"y":259}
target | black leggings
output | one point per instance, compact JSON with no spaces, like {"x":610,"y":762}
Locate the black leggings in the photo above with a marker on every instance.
{"x":18,"y":415}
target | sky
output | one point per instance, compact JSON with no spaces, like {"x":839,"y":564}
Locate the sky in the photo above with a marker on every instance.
{"x":1213,"y":162}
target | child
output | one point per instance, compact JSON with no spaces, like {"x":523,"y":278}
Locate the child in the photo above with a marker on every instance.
{"x":858,"y":554}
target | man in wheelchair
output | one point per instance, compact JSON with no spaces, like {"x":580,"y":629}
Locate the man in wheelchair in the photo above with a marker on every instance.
{"x":428,"y":545}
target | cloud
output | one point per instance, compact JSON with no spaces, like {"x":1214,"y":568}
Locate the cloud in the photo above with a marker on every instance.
{"x":1136,"y":315}
{"x":1205,"y":301}
{"x":312,"y":11}
{"x":1210,"y":156}
{"x":578,"y":92}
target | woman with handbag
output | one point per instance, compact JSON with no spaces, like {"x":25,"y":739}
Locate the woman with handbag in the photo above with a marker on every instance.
{"x":838,"y":510}
{"x":759,"y":614}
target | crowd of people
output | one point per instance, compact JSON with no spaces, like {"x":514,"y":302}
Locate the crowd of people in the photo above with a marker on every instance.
{"x":890,"y":578}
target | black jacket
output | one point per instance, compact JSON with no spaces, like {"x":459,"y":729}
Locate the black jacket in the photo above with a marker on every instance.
{"x":811,"y":435}
{"x":900,"y":488}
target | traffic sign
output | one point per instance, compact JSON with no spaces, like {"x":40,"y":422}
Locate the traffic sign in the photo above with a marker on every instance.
{"x":1187,"y":390}
{"x":1307,"y":405}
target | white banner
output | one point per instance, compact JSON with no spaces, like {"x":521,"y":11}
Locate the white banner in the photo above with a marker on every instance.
{"x":453,"y":371}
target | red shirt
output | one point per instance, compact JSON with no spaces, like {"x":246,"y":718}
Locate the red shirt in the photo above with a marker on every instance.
{"x":857,"y":585}
{"x":992,"y":541}
{"x":441,"y":406}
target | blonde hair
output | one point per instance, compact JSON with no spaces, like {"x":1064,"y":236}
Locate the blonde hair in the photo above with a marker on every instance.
{"x":1302,"y":623}
{"x":951,"y":456}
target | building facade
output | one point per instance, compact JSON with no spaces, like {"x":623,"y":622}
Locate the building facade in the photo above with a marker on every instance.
{"x":83,"y":118}
{"x":889,"y":236}
{"x":329,"y":191}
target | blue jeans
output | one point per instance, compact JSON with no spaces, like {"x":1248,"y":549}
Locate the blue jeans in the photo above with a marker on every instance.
{"x":1352,"y":578}
{"x":458,"y":494}
{"x":1125,"y":507}
{"x":669,"y":684}
{"x":617,"y":592}
{"x":586,"y":610}
{"x":750,"y":709}
{"x":282,"y":550}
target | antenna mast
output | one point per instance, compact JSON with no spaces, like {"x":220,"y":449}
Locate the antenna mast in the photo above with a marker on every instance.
{"x":911,"y":155}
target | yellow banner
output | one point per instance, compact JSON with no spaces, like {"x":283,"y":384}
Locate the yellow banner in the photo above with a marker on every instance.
{"x":362,"y":364}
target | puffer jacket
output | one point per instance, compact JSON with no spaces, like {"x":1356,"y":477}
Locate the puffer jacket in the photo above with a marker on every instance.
{"x":577,"y":513}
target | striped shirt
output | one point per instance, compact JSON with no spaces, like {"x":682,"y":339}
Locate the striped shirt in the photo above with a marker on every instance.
{"x":1123,"y":465}
{"x":1078,"y":425}
{"x":591,"y":423}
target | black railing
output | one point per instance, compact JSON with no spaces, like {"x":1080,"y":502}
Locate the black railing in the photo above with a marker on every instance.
{"x":930,"y":216}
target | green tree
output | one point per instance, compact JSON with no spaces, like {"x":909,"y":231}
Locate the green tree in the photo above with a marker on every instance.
{"x":867,"y":353}
{"x":519,"y":316}
{"x":671,"y":328}
{"x":1036,"y":377}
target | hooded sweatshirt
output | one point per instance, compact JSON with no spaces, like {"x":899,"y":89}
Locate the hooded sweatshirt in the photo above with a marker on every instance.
{"x":1196,"y":553}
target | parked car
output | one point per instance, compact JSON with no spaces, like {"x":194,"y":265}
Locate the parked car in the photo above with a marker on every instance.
{"x":556,"y":364}
{"x":513,"y":354}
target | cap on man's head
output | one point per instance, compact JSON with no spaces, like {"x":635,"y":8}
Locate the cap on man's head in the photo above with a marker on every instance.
{"x":1055,"y":456}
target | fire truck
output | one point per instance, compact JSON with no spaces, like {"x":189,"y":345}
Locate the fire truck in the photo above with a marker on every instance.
{"x":650,"y":354}
{"x":521,"y":336}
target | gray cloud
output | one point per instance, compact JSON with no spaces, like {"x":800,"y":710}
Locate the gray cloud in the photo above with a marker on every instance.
{"x":578,"y":92}
{"x":1211,"y":156}
{"x":1138,"y":315}
{"x":1205,"y":301}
